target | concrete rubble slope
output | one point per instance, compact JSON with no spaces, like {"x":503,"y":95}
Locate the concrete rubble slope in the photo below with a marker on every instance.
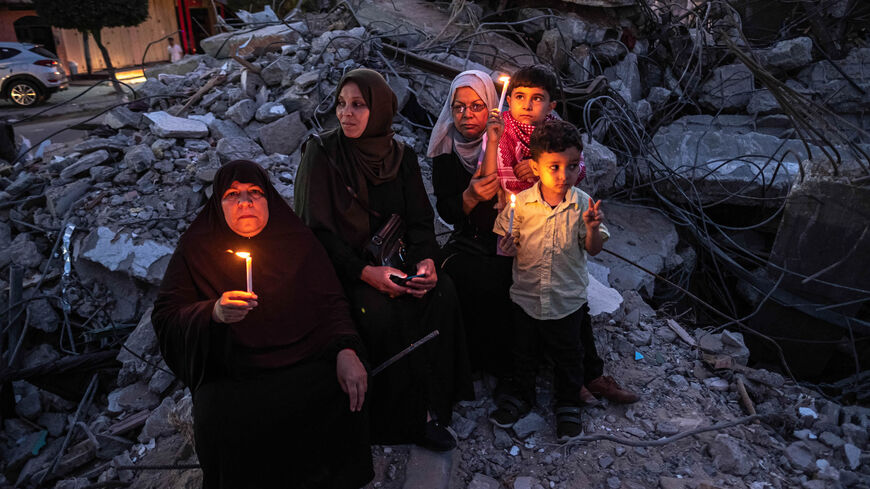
{"x":711,"y":167}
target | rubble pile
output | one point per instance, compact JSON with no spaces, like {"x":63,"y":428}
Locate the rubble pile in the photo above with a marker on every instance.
{"x":802,"y":442}
{"x":87,"y":230}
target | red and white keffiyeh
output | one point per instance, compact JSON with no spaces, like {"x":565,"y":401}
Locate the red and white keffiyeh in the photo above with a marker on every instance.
{"x":513,"y":147}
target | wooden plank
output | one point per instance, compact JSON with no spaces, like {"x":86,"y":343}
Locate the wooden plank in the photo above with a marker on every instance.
{"x":682,"y":333}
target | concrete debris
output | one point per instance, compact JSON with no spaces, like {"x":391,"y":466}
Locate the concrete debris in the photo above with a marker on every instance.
{"x":687,"y":135}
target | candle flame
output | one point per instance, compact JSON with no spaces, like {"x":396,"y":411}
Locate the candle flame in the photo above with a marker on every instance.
{"x":243,"y":254}
{"x":504,"y":79}
{"x":513,"y":200}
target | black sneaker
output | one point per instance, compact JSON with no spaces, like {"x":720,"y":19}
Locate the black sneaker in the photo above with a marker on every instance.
{"x":437,"y":438}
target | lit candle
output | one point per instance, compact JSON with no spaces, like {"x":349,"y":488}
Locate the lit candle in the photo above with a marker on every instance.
{"x":513,"y":206}
{"x":504,"y":89}
{"x":247,"y":257}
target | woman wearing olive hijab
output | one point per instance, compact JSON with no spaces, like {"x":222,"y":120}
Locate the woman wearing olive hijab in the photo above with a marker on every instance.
{"x":266,"y":368}
{"x":347,"y":186}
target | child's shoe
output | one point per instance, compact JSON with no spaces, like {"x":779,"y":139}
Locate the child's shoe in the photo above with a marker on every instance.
{"x":568,"y":427}
{"x":607,"y":388}
{"x":509,"y":411}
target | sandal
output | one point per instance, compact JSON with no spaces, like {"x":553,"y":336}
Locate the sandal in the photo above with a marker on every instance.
{"x":509,"y":411}
{"x":568,"y":427}
{"x":436,"y":437}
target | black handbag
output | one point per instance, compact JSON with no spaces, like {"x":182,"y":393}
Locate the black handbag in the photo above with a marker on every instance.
{"x":386,"y":248}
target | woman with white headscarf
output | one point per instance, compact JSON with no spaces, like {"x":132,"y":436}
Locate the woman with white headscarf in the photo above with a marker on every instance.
{"x":467,"y":201}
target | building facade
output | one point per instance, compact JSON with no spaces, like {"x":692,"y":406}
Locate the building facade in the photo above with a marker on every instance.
{"x":188,"y":21}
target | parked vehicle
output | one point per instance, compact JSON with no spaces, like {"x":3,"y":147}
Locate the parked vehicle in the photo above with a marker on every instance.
{"x":29,"y":73}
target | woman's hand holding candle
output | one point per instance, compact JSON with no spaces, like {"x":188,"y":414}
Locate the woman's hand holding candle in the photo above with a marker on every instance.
{"x":233,"y":306}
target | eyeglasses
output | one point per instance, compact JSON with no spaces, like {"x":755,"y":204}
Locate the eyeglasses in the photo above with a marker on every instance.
{"x":461,"y":108}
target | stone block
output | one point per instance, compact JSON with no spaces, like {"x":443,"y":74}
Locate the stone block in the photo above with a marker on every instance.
{"x":169,"y":126}
{"x":60,"y":199}
{"x":531,"y":423}
{"x":643,"y":236}
{"x":142,"y":259}
{"x":84,"y":164}
{"x":729,"y":457}
{"x":284,"y":135}
{"x":270,"y":112}
{"x":728,"y":87}
{"x":242,"y":111}
{"x":235,"y":148}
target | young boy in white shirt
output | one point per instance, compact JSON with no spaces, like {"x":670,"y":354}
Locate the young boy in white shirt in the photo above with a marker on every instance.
{"x":554,"y":226}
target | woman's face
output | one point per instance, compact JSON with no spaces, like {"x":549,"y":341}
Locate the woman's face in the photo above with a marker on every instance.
{"x":468,"y":122}
{"x":351,"y":110}
{"x":246,"y":209}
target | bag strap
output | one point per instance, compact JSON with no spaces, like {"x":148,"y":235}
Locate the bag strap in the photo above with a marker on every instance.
{"x":335,"y":168}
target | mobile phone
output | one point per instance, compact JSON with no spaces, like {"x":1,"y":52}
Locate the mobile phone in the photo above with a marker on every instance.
{"x":403,"y":280}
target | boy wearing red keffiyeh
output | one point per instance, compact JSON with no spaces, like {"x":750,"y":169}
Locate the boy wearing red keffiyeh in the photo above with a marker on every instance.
{"x":531,"y":101}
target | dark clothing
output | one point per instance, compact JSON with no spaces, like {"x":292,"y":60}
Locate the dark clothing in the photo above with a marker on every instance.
{"x":450,"y":179}
{"x":302,"y":318}
{"x":431,"y":377}
{"x":323,"y":202}
{"x":288,"y":427}
{"x":437,"y":375}
{"x":482,"y":278}
{"x":569,"y":344}
{"x":482,"y":284}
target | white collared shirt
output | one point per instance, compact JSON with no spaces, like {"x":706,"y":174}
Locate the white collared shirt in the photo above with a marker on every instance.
{"x":549,"y":272}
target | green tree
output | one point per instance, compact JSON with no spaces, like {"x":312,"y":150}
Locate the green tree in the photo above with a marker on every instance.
{"x":90,"y":16}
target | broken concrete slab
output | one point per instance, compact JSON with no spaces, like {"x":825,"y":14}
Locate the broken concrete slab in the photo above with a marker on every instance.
{"x":243,"y":43}
{"x":221,"y":129}
{"x":234,"y":148}
{"x":169,"y":126}
{"x":723,"y":159}
{"x":728,"y":87}
{"x":186,"y":65}
{"x":121,"y":117}
{"x":604,"y":175}
{"x":602,"y":299}
{"x":134,"y":397}
{"x":60,"y":200}
{"x":85,"y":163}
{"x":270,"y":112}
{"x":143,"y":259}
{"x":643,"y":236}
{"x":427,"y":469}
{"x":788,"y":54}
{"x":832,"y":87}
{"x":284,"y":135}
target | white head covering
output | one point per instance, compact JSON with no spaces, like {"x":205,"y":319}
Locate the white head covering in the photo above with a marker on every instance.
{"x":445,"y":138}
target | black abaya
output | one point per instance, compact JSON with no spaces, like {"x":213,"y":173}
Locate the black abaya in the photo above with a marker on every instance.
{"x":268,"y":409}
{"x":436,"y":375}
{"x":482,"y":278}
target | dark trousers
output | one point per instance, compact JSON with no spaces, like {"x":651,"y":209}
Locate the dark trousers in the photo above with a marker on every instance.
{"x":568,"y":342}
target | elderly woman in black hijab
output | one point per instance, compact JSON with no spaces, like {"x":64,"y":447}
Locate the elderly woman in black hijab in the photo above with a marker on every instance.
{"x":266,"y":367}
{"x":467,"y":201}
{"x":349,"y":183}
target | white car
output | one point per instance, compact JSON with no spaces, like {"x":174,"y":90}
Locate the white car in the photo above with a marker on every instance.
{"x":29,"y":73}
